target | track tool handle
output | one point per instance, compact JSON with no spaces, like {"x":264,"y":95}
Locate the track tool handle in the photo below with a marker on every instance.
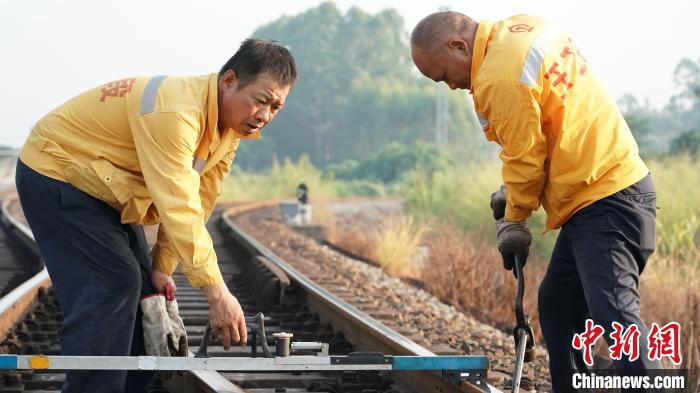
{"x":256,"y":328}
{"x":523,"y":334}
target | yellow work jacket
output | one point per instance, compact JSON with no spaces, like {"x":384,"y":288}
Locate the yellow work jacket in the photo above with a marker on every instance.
{"x":565,"y":143}
{"x":150,"y":148}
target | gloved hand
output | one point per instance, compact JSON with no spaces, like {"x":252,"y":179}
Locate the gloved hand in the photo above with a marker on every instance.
{"x":163,"y":330}
{"x":514,"y":238}
{"x":498,"y":203}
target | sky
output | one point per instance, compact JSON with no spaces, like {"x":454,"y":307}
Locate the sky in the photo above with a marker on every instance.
{"x":53,"y":50}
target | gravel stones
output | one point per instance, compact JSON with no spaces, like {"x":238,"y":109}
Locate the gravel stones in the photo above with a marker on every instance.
{"x":412,"y":311}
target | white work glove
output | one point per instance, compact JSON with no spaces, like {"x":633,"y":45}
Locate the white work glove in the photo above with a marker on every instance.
{"x":163,"y":331}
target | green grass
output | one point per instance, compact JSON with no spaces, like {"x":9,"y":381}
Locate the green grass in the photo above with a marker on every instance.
{"x":459,"y":198}
{"x":280,"y":181}
{"x":677,"y":182}
{"x":461,"y":194}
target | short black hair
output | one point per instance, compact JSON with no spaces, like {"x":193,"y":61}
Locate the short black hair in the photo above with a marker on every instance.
{"x":257,"y":56}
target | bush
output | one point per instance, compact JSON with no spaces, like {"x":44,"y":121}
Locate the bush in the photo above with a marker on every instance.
{"x":360,"y":188}
{"x":688,"y":143}
{"x":342,"y":170}
{"x":391,"y":162}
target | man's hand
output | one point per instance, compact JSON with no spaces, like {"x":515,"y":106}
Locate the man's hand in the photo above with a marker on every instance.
{"x":159,"y":281}
{"x":514,"y":238}
{"x":498,"y":203}
{"x":226,"y":316}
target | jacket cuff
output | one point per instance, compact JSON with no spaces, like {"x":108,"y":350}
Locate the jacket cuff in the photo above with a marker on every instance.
{"x":163,"y":260}
{"x":515,"y":214}
{"x":203,"y":276}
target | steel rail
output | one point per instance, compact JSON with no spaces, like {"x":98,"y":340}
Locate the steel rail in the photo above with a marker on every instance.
{"x":361,"y":329}
{"x":15,"y":304}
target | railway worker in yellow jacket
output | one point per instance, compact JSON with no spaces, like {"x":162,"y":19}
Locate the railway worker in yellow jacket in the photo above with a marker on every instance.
{"x":565,"y":146}
{"x":138,"y":151}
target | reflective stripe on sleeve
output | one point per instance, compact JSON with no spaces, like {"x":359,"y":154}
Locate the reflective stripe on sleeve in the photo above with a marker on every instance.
{"x":148,"y":98}
{"x":533,"y":61}
{"x":198,"y":164}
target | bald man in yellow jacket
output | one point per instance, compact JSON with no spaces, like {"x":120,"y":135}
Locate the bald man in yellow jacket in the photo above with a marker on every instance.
{"x":565,"y":146}
{"x":141,"y":150}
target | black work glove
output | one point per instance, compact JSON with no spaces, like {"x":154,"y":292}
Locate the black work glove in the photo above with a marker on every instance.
{"x":498,"y":203}
{"x":514,"y":238}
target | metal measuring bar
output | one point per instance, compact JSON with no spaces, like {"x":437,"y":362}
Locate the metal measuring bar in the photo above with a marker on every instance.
{"x":456,"y":369}
{"x":352,"y":362}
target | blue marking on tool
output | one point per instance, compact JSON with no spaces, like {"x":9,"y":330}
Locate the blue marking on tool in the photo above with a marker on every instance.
{"x":439,"y":363}
{"x":8,"y":361}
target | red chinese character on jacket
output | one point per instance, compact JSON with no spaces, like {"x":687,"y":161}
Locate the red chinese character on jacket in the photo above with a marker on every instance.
{"x":665,"y":341}
{"x":586,"y":340}
{"x":117,"y":88}
{"x":625,"y":342}
{"x":577,"y":56}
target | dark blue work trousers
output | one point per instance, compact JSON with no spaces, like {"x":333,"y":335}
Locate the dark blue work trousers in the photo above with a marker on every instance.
{"x":98,"y":267}
{"x":594,"y":273}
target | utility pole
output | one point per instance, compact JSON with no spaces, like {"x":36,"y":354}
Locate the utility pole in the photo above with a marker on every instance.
{"x":442,"y":109}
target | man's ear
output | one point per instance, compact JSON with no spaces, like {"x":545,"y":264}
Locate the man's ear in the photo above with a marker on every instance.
{"x":229,"y":79}
{"x":457,"y":43}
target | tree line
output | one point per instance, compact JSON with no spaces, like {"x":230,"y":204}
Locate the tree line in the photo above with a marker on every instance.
{"x":357,"y":92}
{"x":359,"y":98}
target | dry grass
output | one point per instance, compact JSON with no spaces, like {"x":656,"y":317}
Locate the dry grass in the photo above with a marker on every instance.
{"x":464,"y":271}
{"x":468,"y":273}
{"x":322,"y":214}
{"x":362,"y":243}
{"x":669,"y":294}
{"x":397,"y":245}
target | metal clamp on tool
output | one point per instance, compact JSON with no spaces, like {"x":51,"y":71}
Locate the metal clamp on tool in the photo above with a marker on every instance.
{"x":523,"y":334}
{"x":256,"y":329}
{"x":475,"y":377}
{"x":320,"y":349}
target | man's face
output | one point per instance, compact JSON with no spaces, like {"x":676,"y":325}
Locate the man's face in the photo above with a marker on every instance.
{"x":250,"y":108}
{"x":451,"y":63}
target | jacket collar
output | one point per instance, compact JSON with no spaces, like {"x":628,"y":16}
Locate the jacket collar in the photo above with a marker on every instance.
{"x":483,"y":32}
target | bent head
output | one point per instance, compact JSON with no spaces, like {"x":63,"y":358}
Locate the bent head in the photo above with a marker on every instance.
{"x":254,"y":84}
{"x":441,"y":47}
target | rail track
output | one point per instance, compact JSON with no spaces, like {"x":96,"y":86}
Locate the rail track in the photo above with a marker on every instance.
{"x":8,"y":158}
{"x":30,"y":320}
